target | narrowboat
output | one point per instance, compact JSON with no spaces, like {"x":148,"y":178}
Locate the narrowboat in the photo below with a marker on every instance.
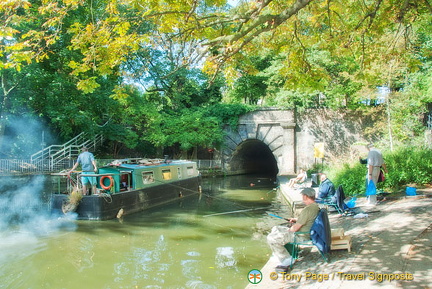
{"x":127,"y":186}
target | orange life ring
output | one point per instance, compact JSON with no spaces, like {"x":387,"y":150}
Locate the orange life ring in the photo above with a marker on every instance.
{"x":102,"y":184}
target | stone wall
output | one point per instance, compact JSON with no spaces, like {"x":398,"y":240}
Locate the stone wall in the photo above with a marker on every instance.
{"x":291,"y":137}
{"x":340,"y":131}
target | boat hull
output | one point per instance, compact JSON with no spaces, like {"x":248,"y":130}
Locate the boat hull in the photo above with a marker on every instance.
{"x":108,"y":206}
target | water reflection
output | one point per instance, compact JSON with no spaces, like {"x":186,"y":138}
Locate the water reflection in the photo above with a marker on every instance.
{"x":205,"y":241}
{"x":225,"y":257}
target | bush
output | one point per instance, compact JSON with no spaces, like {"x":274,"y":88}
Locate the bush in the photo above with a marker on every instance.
{"x":409,"y":165}
{"x":352,"y":178}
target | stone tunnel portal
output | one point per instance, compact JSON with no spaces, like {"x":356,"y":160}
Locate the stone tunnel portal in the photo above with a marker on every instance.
{"x":253,"y":157}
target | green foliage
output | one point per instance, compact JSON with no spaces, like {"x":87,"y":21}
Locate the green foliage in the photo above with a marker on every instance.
{"x":407,"y":165}
{"x":410,"y":165}
{"x":407,"y":110}
{"x":227,"y":114}
{"x":50,"y":92}
{"x":186,"y":128}
{"x":352,"y":178}
{"x":249,"y":88}
{"x":193,"y":127}
{"x":293,"y":99}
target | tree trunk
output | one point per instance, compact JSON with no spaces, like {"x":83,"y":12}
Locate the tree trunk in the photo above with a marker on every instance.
{"x":387,"y":101}
{"x":4,"y":105}
{"x":194,"y":155}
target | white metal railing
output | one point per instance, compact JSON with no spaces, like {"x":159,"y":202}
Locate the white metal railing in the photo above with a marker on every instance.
{"x":54,"y":155}
{"x":52,"y":149}
{"x":209,"y":164}
{"x":28,"y":166}
{"x":21,"y":166}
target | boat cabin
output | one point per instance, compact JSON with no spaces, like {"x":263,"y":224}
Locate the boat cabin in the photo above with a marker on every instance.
{"x":131,"y":175}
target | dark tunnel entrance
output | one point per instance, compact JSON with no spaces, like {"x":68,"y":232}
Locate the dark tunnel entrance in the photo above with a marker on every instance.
{"x":254,"y":157}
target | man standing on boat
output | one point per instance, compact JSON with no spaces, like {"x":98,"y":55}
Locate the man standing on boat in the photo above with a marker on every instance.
{"x":88,"y":164}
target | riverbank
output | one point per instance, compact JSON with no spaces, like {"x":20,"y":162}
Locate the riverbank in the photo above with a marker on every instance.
{"x":391,"y":248}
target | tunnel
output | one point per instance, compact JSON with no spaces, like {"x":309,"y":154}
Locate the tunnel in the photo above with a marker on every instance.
{"x":253,"y":157}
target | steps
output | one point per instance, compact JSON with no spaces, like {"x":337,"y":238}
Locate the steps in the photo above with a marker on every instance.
{"x":53,"y":158}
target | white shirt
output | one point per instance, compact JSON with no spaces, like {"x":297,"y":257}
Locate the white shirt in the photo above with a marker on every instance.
{"x":375,"y":158}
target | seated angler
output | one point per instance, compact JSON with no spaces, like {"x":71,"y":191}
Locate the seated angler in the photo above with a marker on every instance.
{"x":326,"y":189}
{"x":281,"y":235}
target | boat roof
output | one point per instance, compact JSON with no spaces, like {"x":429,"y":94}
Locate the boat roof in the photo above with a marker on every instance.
{"x":143,"y":163}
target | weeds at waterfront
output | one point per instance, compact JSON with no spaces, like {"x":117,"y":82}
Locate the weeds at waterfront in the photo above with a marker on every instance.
{"x":408,"y":166}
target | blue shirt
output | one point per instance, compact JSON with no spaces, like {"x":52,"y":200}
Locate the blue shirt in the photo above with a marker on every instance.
{"x":326,"y":189}
{"x":85,"y":159}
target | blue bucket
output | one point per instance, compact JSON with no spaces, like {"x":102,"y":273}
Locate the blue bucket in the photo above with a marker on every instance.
{"x":411,"y":191}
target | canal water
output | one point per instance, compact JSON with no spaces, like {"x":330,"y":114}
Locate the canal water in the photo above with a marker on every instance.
{"x":210,"y":240}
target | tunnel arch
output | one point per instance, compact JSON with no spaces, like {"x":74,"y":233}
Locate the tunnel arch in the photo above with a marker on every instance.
{"x":265,"y":132}
{"x":253,"y":156}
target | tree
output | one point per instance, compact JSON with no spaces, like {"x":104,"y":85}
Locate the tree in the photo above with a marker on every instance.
{"x":338,"y":49}
{"x":187,"y":129}
{"x":364,"y":31}
{"x":45,"y":88}
{"x":197,"y":29}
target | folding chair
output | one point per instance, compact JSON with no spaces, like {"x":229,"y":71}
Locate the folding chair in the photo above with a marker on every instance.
{"x":337,"y":201}
{"x":320,"y":237}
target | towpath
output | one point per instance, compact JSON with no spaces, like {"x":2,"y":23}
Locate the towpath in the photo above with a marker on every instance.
{"x":391,"y":248}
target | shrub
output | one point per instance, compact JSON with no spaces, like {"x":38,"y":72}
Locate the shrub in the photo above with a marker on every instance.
{"x":352,"y":178}
{"x":408,"y":165}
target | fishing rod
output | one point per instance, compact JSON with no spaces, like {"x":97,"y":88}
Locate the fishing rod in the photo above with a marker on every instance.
{"x":279,"y":217}
{"x":180,"y":187}
{"x":234,"y":212}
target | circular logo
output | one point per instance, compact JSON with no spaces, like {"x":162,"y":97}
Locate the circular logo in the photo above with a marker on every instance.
{"x":254,"y":276}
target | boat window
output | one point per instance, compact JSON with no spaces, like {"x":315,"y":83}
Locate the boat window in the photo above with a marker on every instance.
{"x":190,"y":171}
{"x":125,"y":181}
{"x":166,"y":174}
{"x":179,"y":173}
{"x":148,"y":177}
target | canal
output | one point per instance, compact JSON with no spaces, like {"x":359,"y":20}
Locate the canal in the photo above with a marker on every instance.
{"x":211,"y":240}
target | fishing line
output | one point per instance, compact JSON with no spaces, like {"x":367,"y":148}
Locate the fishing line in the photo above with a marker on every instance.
{"x":234,"y":212}
{"x":274,"y":189}
{"x":217,"y":198}
{"x":177,"y":186}
{"x":108,"y":197}
{"x":205,"y":194}
{"x":246,"y":209}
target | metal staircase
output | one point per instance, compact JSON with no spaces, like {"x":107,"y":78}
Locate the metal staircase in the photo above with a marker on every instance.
{"x":58,"y":157}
